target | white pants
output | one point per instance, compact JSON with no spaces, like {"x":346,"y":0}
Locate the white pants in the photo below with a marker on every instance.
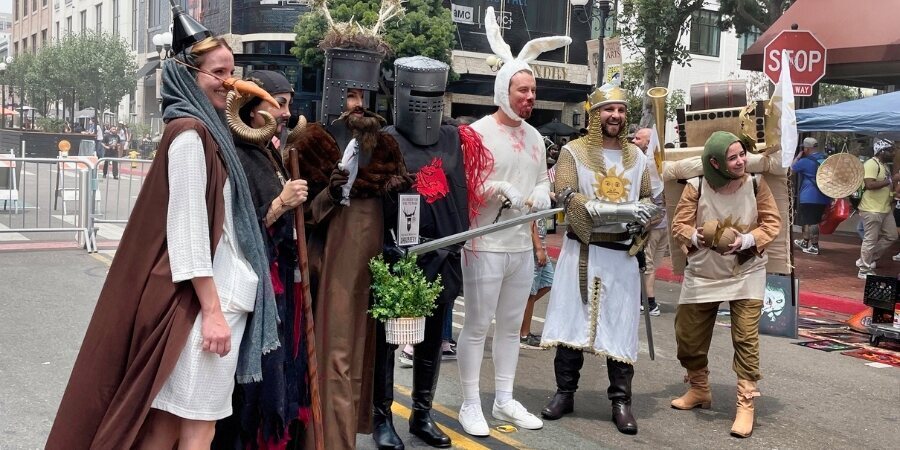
{"x":496,"y":285}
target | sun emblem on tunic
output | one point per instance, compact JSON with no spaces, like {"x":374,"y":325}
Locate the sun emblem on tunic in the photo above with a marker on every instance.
{"x":612,"y":186}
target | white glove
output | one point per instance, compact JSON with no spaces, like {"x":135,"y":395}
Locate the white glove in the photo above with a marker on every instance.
{"x":512,"y":194}
{"x":694,"y":241}
{"x":539,"y":198}
{"x":747,"y":241}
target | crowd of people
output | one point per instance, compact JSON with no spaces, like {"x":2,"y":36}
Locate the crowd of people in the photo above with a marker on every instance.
{"x":235,"y":314}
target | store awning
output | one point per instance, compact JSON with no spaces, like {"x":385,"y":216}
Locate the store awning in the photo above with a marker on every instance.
{"x":861,"y":37}
{"x":145,"y":70}
{"x":549,"y":90}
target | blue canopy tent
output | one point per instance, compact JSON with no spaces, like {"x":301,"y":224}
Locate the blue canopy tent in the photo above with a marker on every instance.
{"x":875,"y":116}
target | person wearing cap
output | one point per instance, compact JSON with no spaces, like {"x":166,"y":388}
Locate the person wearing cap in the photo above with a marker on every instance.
{"x":604,"y":183}
{"x":880,"y":230}
{"x":812,"y":202}
{"x":658,"y":238}
{"x":741,"y":206}
{"x":498,"y":268}
{"x":266,"y":409}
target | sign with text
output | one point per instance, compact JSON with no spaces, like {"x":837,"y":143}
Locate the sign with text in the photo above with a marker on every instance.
{"x":593,"y":51}
{"x":612,"y":66}
{"x":463,"y":14}
{"x":408,"y":220}
{"x":807,"y":59}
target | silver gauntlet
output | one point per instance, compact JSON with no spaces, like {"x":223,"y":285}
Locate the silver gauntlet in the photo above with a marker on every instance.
{"x":606,"y":213}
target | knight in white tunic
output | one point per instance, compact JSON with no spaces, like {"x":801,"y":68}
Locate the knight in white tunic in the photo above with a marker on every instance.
{"x":594,"y":306}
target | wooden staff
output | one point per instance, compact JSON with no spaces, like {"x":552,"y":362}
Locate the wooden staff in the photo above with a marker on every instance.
{"x":312,"y":363}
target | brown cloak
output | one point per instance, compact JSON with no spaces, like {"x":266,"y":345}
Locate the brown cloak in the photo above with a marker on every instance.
{"x":142,"y":319}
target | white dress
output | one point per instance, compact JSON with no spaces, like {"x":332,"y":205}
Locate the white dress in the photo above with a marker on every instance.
{"x":201,"y":384}
{"x":606,"y":323}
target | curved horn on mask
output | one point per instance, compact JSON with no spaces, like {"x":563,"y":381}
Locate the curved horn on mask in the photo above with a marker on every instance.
{"x":258,"y":136}
{"x":298,"y":130}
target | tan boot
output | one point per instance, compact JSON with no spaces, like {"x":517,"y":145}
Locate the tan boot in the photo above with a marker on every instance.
{"x":698,"y":394}
{"x":743,"y":420}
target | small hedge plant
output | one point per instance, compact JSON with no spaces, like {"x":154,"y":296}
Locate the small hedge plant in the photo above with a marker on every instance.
{"x":401,"y":290}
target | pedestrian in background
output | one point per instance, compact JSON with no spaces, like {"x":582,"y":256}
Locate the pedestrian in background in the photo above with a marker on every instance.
{"x":540,"y":286}
{"x":658,"y":238}
{"x":875,"y":208}
{"x":812,"y":202}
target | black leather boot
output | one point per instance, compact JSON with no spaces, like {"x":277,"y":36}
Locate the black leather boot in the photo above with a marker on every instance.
{"x":567,"y":366}
{"x":426,"y":367}
{"x":383,"y":432}
{"x":619,"y":392}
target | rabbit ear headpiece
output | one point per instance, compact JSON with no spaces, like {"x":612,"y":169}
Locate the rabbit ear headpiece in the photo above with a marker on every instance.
{"x":513,"y":65}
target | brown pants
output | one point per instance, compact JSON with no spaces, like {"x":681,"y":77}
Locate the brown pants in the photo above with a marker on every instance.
{"x":694,"y":325}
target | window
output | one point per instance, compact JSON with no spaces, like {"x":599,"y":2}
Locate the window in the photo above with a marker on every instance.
{"x":705,"y":33}
{"x":44,"y":3}
{"x":15,"y":48}
{"x":115,"y":24}
{"x":134,"y":21}
{"x":746,"y":40}
{"x":82,"y":17}
{"x":33,"y":6}
{"x":24,"y":10}
{"x":69,"y":25}
{"x":16,"y":9}
{"x":34,"y":43}
{"x":98,"y":11}
{"x":44,"y":36}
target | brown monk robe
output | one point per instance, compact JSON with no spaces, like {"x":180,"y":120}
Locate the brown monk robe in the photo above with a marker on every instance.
{"x":342,"y":240}
{"x":142,"y":319}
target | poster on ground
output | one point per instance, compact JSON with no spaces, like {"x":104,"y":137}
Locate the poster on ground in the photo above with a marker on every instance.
{"x":780,"y":307}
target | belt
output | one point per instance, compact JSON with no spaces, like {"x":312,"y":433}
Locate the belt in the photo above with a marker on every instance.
{"x":605,"y":240}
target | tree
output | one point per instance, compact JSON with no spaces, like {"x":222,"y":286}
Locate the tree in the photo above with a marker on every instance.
{"x":632,"y":83}
{"x":425,"y":29}
{"x":653,"y":29}
{"x":751,"y":15}
{"x":836,"y":93}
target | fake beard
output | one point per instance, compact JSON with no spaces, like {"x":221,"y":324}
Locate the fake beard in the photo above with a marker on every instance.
{"x":365,"y":128}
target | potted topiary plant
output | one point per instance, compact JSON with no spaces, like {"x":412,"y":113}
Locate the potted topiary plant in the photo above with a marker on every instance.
{"x":403,"y":298}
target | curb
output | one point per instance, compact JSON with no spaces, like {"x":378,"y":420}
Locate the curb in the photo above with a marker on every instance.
{"x":841,"y":305}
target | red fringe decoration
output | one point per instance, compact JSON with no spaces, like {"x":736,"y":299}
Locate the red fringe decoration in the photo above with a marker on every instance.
{"x":277,"y":286}
{"x":479,"y":164}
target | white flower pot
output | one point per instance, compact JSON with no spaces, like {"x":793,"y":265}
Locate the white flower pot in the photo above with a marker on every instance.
{"x":404,"y":330}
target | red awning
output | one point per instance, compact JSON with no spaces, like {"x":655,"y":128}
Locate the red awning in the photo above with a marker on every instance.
{"x":862,"y":38}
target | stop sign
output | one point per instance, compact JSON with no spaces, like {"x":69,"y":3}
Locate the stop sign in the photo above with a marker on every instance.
{"x":807,"y":56}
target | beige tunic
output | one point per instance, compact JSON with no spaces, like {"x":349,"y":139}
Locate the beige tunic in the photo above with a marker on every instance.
{"x":710,"y":276}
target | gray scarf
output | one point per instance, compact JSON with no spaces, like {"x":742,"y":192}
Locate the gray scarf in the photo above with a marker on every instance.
{"x":182,"y":97}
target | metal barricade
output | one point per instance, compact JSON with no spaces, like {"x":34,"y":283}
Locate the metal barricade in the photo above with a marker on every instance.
{"x":44,"y":197}
{"x":117,"y":183}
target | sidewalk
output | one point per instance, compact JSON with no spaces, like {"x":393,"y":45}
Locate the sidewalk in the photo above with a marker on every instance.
{"x":827,"y":281}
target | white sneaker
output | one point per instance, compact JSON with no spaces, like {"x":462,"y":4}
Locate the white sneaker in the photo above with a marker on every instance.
{"x":896,"y":257}
{"x":472,"y":420}
{"x":861,"y":265}
{"x":863,"y":273}
{"x":516,"y":414}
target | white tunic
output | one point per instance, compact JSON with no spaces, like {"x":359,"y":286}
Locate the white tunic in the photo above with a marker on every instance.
{"x":201,"y":384}
{"x":606,"y":323}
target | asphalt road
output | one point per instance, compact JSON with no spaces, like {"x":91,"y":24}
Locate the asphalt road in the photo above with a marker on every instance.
{"x":810,"y":399}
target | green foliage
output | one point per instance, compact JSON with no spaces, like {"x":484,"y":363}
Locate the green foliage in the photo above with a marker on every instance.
{"x":653,"y":29}
{"x":401,"y":290}
{"x":633,"y":84}
{"x":51,"y":124}
{"x":836,"y":93}
{"x":425,"y":29}
{"x":751,"y":15}
{"x":98,"y":68}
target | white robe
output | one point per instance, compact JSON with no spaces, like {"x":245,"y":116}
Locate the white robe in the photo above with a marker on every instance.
{"x":606,"y":323}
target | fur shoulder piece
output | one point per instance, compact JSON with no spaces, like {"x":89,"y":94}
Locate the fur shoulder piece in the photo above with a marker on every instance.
{"x":386,"y":163}
{"x":319,"y":155}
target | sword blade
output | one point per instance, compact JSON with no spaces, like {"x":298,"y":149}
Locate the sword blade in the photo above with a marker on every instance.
{"x":647,"y":324}
{"x":480,"y":231}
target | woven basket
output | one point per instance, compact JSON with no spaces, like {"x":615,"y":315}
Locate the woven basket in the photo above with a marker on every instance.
{"x":404,"y":330}
{"x":840,"y":175}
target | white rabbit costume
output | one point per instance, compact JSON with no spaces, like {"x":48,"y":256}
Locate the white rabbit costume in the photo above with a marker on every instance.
{"x":498,"y":268}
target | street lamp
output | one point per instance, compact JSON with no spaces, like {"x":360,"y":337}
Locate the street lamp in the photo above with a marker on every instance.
{"x":3,"y":94}
{"x":163,"y":43}
{"x":600,"y":11}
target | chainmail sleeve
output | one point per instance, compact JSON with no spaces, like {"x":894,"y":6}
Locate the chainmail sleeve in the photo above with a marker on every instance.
{"x":646,"y":194}
{"x":567,"y":178}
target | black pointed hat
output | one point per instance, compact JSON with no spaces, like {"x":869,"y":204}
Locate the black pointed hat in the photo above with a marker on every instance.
{"x":186,"y":31}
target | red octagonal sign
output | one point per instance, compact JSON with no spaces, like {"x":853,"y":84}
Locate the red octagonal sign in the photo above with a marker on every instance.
{"x":807,"y":56}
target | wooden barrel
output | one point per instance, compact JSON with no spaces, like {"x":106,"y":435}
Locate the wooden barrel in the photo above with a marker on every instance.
{"x":719,"y":94}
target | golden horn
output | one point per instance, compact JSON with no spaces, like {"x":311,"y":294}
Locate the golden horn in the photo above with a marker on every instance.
{"x":658,"y":99}
{"x":259,"y":136}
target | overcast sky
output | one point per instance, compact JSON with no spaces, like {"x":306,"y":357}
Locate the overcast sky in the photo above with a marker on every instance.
{"x":6,"y":6}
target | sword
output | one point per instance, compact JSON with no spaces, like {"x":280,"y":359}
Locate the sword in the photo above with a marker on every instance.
{"x":647,"y":324}
{"x":445,"y":241}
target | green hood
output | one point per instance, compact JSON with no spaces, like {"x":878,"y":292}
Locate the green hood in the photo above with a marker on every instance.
{"x":716,"y":147}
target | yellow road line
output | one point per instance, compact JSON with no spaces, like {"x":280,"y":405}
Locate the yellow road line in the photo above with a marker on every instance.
{"x":102,"y":258}
{"x":459,"y":440}
{"x":450,"y":413}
